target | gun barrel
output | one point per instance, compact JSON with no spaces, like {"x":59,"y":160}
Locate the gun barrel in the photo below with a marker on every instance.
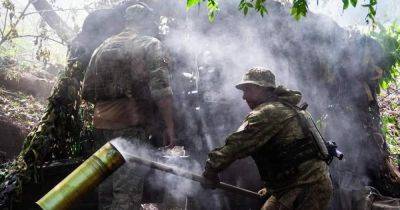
{"x":192,"y":176}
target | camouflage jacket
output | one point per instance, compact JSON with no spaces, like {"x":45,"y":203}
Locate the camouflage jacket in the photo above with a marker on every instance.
{"x":127,"y":65}
{"x":126,"y":76}
{"x":262,"y":133}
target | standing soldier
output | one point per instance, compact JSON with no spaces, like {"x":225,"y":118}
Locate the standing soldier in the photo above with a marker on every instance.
{"x":281,"y":145}
{"x":128,"y":82}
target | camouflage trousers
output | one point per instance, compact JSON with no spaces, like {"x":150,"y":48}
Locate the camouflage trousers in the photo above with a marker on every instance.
{"x":122,"y":190}
{"x":309,"y":197}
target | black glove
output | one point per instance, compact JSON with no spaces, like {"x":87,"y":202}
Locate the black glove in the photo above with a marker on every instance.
{"x":211,"y":179}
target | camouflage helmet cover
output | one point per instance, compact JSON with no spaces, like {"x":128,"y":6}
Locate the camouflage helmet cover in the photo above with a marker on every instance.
{"x":259,"y":76}
{"x":138,"y":12}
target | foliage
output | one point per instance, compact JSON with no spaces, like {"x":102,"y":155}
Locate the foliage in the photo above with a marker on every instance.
{"x":212,"y":6}
{"x":389,"y":38}
{"x":9,"y":25}
{"x":389,"y":102}
{"x":371,"y":8}
{"x":299,"y":7}
{"x":59,"y":133}
{"x":42,"y":53}
{"x":56,"y":137}
{"x":258,"y":5}
{"x":20,"y":35}
{"x":24,"y":110}
{"x":391,"y":132}
{"x":60,"y":126}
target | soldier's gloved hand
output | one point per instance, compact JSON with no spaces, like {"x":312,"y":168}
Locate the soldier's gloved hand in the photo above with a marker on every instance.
{"x":263,"y":192}
{"x":211,"y":179}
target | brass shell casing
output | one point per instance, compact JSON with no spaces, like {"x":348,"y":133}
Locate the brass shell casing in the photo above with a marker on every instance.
{"x":83,"y":179}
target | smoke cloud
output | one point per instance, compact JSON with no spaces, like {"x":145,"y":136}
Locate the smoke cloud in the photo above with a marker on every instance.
{"x":177,"y":189}
{"x":327,"y":63}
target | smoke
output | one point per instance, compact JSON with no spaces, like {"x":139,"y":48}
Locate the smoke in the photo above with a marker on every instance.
{"x":326,"y":62}
{"x":330,"y":65}
{"x":177,"y":189}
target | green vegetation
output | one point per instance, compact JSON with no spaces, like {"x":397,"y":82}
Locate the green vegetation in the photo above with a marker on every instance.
{"x":391,"y":131}
{"x":389,"y":101}
{"x":299,"y":7}
{"x":389,"y":98}
{"x":389,"y":38}
{"x":23,"y":109}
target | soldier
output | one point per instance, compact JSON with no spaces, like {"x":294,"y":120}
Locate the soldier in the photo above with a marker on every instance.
{"x":128,"y":81}
{"x":273,"y":135}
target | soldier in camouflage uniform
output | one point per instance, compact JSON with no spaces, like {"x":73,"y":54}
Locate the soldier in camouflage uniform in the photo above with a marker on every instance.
{"x":128,"y":81}
{"x":273,"y":136}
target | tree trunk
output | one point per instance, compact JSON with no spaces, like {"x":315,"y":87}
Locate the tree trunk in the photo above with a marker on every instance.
{"x":54,"y":20}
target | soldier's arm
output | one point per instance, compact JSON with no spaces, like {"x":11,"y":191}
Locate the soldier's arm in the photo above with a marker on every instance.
{"x":157,"y":61}
{"x":253,"y":133}
{"x":88,"y":87}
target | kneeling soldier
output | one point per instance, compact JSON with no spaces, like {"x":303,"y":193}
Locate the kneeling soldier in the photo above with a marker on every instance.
{"x":274,"y":135}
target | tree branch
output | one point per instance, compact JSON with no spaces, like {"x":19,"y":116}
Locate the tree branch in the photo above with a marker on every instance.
{"x":5,"y":24}
{"x":4,"y":38}
{"x":54,"y":20}
{"x":37,"y":36}
{"x":55,"y":10}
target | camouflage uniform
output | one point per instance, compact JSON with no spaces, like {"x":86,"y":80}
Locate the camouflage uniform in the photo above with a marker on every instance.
{"x":273,"y":136}
{"x":125,"y":78}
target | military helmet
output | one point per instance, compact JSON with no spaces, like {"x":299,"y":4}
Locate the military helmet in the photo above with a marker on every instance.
{"x":138,"y":12}
{"x":259,"y":76}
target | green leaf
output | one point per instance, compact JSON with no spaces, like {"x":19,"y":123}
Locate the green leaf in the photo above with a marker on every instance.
{"x":384,"y":85}
{"x":213,"y":8}
{"x":263,"y":11}
{"x":372,"y":10}
{"x":299,"y":9}
{"x":211,"y":16}
{"x":242,"y":4}
{"x":353,"y":2}
{"x":191,"y":3}
{"x":259,"y":3}
{"x":245,"y":10}
{"x":345,"y":4}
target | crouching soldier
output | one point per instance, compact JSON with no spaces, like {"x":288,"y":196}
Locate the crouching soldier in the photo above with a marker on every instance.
{"x":276,"y":138}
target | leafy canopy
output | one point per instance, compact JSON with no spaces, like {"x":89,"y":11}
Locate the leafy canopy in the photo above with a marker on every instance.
{"x":389,"y":38}
{"x":299,"y":7}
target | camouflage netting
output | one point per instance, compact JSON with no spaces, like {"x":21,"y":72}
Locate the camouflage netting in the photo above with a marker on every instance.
{"x":58,"y":135}
{"x":348,"y":91}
